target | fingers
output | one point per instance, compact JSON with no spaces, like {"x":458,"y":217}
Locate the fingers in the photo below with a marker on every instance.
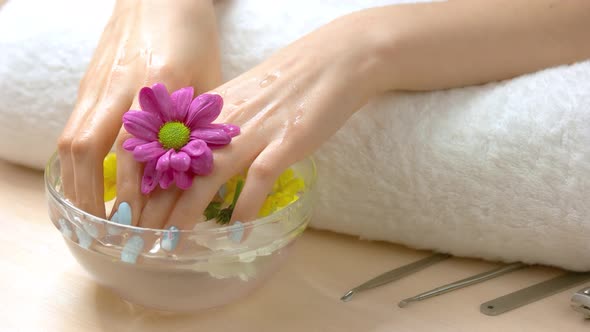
{"x":129,"y":177}
{"x":73,"y":144}
{"x":227,"y":162}
{"x":192,"y":203}
{"x":85,"y":104}
{"x":263,"y":173}
{"x":159,"y":206}
{"x":93,"y":141}
{"x":133,"y":180}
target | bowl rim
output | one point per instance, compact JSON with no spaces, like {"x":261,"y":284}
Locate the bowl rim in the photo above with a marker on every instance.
{"x":309,"y":184}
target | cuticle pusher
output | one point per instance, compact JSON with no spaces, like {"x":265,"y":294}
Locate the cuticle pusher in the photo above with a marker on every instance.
{"x":481,"y":277}
{"x":395,"y":274}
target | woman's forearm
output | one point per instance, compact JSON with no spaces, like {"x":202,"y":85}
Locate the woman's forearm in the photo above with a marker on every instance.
{"x":458,"y":43}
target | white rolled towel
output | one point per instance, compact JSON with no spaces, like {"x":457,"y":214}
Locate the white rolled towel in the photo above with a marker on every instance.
{"x":498,"y":171}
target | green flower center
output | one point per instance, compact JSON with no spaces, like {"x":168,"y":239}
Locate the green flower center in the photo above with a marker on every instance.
{"x":174,"y":135}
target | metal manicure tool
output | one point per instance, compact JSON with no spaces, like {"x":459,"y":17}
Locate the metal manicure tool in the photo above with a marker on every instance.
{"x":395,"y":274}
{"x":463,"y":283}
{"x":533,"y":293}
{"x":580,"y":301}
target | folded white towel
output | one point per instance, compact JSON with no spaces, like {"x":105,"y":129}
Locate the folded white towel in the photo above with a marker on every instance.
{"x":497,"y":171}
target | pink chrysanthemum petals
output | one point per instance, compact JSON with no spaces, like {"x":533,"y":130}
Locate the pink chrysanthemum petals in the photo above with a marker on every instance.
{"x":142,"y":125}
{"x":184,"y":180}
{"x":203,"y":164}
{"x":195,"y":148}
{"x":203,"y":110}
{"x":163,"y":163}
{"x":211,"y":136}
{"x":230,"y":129}
{"x":216,"y":146}
{"x":149,"y":102}
{"x":164,"y":100}
{"x":181,"y":102}
{"x":167,"y":166}
{"x":148,"y":152}
{"x":150,"y":178}
{"x":180,"y":161}
{"x":166,"y":179}
{"x":133,"y":142}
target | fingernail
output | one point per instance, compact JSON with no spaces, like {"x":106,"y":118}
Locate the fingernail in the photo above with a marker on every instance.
{"x":90,"y":229}
{"x":113,"y":229}
{"x":84,"y":239}
{"x":65,"y":228}
{"x":237,"y":232}
{"x":124,"y":214}
{"x":170,"y":239}
{"x":132,"y":249}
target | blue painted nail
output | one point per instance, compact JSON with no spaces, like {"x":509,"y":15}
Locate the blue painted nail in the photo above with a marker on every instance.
{"x":237,"y":232}
{"x":84,"y":239}
{"x":124,"y":214}
{"x":65,"y":228}
{"x":90,"y":229}
{"x":132,"y":249}
{"x":112,"y":229}
{"x":170,"y":239}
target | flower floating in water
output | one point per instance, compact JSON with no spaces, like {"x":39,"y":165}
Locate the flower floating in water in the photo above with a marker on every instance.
{"x":109,"y":166}
{"x":285,"y":191}
{"x":174,"y":135}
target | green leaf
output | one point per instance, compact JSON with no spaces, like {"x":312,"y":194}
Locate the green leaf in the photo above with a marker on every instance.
{"x":239,"y":187}
{"x":212,"y":210}
{"x":224,"y":215}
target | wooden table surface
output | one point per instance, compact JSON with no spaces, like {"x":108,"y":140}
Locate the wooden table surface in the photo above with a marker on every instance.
{"x":42,"y":287}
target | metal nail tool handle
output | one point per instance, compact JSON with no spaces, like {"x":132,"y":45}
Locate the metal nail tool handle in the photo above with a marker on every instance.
{"x":533,"y":293}
{"x":395,"y":274}
{"x":580,"y":301}
{"x":463,"y":283}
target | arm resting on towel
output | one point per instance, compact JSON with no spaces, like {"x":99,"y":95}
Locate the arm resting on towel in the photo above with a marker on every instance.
{"x":457,"y":43}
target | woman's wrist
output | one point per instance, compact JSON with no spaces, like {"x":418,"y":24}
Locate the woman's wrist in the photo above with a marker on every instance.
{"x":441,"y":45}
{"x":365,"y":51}
{"x":378,"y":49}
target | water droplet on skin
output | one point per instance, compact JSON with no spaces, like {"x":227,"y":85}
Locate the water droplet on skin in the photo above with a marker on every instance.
{"x":268,"y":80}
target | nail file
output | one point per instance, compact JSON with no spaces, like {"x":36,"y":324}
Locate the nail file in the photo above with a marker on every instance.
{"x":395,"y":274}
{"x":533,"y":293}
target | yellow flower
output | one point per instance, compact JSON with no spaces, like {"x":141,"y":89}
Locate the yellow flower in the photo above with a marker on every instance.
{"x":230,"y":188}
{"x":109,"y":165}
{"x":284,"y":192}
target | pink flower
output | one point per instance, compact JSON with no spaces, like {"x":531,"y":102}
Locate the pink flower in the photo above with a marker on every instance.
{"x":174,"y":135}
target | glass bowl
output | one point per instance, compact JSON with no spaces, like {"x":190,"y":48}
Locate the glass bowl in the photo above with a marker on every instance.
{"x":210,"y":267}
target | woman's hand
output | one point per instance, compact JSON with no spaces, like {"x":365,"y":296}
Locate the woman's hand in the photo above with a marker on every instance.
{"x":145,"y":41}
{"x":286,"y":108}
